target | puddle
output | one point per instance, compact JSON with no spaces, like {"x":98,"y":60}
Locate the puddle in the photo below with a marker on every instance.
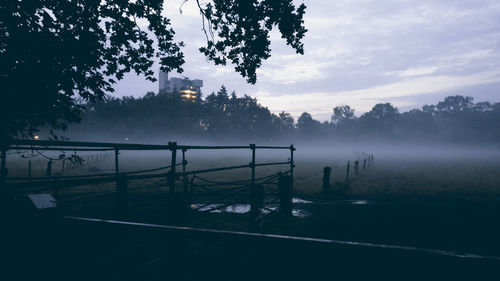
{"x":245,"y":208}
{"x":301,"y":201}
{"x":351,"y":202}
{"x":300,"y":213}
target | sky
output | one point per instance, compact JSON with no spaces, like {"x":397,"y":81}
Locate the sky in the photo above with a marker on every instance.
{"x":359,"y":53}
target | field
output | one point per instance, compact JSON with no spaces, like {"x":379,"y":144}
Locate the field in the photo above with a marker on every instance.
{"x":419,"y":199}
{"x":447,"y":201}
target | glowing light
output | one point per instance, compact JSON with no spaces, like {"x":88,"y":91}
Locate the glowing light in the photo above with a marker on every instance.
{"x":36,"y":137}
{"x":126,"y":139}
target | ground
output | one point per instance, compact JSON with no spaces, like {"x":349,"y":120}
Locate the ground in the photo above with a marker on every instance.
{"x":444,"y":203}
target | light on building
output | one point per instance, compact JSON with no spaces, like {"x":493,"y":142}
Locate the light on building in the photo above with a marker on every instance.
{"x":36,"y":137}
{"x":188,"y":93}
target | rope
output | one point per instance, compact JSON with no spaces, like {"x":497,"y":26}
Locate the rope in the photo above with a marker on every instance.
{"x":241,"y":182}
{"x":90,"y":176}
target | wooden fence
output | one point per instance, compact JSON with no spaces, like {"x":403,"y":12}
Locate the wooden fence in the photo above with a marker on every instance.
{"x":176,"y":173}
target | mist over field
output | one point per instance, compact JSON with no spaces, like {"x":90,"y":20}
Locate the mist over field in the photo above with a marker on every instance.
{"x":455,"y":123}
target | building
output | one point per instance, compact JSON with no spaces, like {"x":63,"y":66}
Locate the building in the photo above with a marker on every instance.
{"x":189,"y":89}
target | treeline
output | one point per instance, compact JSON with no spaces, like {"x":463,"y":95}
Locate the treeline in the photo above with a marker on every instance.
{"x":226,"y":117}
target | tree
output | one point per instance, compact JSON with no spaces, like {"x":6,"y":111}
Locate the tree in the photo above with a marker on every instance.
{"x":222,"y":98}
{"x":286,"y":120}
{"x":238,"y":31}
{"x":455,"y":104}
{"x":342,"y":113}
{"x":382,"y":111}
{"x":306,"y":125}
{"x":55,"y":55}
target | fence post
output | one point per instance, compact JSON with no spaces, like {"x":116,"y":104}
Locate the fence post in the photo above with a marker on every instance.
{"x":364,"y":164}
{"x":62,"y":166}
{"x":184,"y":180}
{"x":252,"y":165}
{"x":49,"y":167}
{"x":29,"y":169}
{"x":256,"y":204}
{"x":285,"y":194}
{"x":121,"y":192}
{"x":292,"y":166}
{"x":347,"y":171}
{"x":356,"y":167}
{"x":117,"y":152}
{"x":3,"y":167}
{"x":173,"y":161}
{"x":326,"y":179}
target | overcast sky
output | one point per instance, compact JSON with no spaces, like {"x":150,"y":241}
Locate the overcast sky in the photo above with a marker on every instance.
{"x":360,"y":53}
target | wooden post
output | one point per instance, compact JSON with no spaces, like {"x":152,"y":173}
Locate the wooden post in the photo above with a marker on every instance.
{"x":326,"y":179}
{"x":364,"y":164}
{"x":252,"y":164}
{"x":173,"y":161}
{"x":356,"y":167}
{"x":62,"y":166}
{"x":117,"y":152}
{"x":257,"y":201}
{"x":347,"y":171}
{"x":29,"y":169}
{"x":3,"y":168}
{"x":292,"y":166}
{"x":285,"y":195}
{"x":187,"y":202}
{"x":49,"y":167}
{"x":121,"y":192}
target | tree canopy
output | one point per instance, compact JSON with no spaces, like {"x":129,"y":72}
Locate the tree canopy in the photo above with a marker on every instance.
{"x":229,"y":117}
{"x":55,"y":55}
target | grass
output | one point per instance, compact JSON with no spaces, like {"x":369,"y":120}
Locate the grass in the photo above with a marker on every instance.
{"x":436,"y":202}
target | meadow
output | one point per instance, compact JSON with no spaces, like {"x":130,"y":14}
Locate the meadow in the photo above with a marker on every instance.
{"x":432,"y":199}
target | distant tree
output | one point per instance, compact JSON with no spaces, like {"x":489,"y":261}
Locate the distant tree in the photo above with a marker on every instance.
{"x":243,"y":118}
{"x":222,"y":98}
{"x":382,"y":111}
{"x":380,"y":121}
{"x":482,"y":106}
{"x":454,"y":104}
{"x":342,"y":113}
{"x":429,"y":109}
{"x":307,"y":126}
{"x":283,"y":124}
{"x":286,"y":120}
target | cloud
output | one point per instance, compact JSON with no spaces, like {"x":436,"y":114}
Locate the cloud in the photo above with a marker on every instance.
{"x":358,"y":52}
{"x":295,"y":71}
{"x":419,"y":71}
{"x":321,"y":103}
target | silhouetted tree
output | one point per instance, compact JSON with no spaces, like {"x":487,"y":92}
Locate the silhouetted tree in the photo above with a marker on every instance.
{"x":306,"y":125}
{"x":244,"y":28}
{"x":454,"y":104}
{"x":74,"y":51}
{"x":342,"y":113}
{"x":167,"y":116}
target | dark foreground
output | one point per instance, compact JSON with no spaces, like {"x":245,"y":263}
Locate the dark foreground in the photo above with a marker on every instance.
{"x":51,"y":247}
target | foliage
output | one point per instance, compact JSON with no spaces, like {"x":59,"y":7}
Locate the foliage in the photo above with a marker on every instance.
{"x":238,"y":31}
{"x":224,"y":117}
{"x":57,"y":55}
{"x":342,"y":114}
